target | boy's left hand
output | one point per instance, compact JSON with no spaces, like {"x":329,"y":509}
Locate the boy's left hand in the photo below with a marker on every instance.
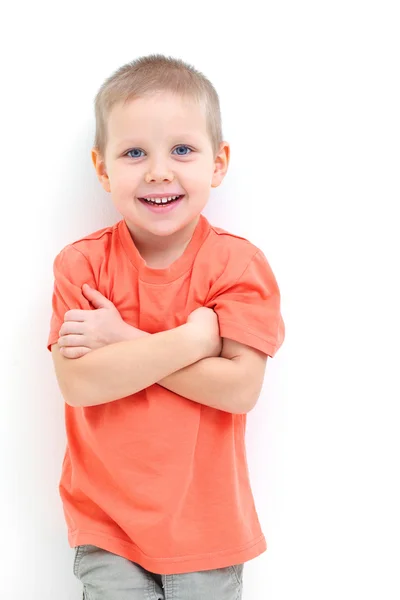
{"x":86,"y":330}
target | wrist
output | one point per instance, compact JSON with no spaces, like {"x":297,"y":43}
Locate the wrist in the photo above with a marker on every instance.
{"x":132,"y":333}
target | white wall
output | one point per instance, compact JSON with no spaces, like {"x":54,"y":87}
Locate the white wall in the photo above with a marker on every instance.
{"x":310,"y":100}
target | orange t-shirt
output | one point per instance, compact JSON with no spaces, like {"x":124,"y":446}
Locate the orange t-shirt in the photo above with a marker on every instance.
{"x":154,"y":477}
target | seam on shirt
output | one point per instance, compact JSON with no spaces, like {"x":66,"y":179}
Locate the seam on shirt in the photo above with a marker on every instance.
{"x":86,"y":258}
{"x":230,"y":234}
{"x":238,"y":278}
{"x":181,"y":558}
{"x":88,"y":237}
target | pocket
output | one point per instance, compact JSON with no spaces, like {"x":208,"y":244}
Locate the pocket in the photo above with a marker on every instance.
{"x":237,"y":573}
{"x":79,"y":553}
{"x":77,"y":560}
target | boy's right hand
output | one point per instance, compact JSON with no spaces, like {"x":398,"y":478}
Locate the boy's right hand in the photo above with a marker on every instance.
{"x":204,"y":321}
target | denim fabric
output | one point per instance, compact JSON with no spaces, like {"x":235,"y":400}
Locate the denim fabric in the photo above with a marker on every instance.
{"x":107,"y":576}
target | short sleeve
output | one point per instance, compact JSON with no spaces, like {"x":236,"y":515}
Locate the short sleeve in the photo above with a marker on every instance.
{"x":248,"y":308}
{"x":71,"y":270}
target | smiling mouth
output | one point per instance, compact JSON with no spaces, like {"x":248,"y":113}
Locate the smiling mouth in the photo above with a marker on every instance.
{"x":161,"y":201}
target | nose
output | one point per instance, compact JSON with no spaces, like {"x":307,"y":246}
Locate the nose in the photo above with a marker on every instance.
{"x":158,"y":171}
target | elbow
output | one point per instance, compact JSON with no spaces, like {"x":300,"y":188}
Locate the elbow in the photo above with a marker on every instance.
{"x":72,"y":399}
{"x":249,"y":404}
{"x":244,"y":402}
{"x":64,"y":385}
{"x":74,"y":394}
{"x":79,"y":399}
{"x":70,"y":377}
{"x":251,"y":395}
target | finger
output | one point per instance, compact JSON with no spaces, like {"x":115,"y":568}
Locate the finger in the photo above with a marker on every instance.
{"x":71,"y":340}
{"x":74,"y":352}
{"x":96,"y":298}
{"x":69,"y":327}
{"x":76,"y":314}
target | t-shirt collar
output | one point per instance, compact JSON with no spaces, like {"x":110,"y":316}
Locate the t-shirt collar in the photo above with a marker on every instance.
{"x":180,"y":266}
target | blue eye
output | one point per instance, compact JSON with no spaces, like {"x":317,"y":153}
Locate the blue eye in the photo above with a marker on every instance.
{"x":186,"y":147}
{"x":177,"y":148}
{"x":133,"y":150}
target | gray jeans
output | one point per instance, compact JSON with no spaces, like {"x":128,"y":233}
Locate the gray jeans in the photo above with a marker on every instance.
{"x":107,"y":576}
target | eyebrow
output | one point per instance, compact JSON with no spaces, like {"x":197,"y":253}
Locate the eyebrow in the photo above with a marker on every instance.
{"x":186,"y":137}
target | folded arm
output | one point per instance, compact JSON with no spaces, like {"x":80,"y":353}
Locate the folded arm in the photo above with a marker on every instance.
{"x":187,"y":360}
{"x":124,"y":368}
{"x":231,"y":382}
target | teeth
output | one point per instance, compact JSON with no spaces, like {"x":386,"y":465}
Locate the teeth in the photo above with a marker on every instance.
{"x":161,"y":200}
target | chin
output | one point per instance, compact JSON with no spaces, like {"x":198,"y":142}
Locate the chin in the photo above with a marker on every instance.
{"x":164,"y":228}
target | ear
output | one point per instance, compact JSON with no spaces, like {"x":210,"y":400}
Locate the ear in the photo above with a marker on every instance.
{"x":100,"y":166}
{"x":221,"y":164}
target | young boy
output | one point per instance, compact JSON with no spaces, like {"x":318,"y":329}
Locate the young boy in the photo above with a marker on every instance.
{"x":160,"y":333}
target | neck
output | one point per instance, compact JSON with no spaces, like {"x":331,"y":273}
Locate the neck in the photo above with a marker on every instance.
{"x":160,"y":251}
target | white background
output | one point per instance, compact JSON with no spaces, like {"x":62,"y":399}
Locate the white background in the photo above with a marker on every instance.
{"x":310,"y":102}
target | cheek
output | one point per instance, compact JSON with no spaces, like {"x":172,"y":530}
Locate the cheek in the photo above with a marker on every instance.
{"x":124,"y":178}
{"x":195,"y":177}
{"x":198,"y":176}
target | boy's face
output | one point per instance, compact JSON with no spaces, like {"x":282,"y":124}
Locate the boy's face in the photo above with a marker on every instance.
{"x":160,"y":145}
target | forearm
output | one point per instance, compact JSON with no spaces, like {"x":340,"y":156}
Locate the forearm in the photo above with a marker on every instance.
{"x":213,"y":381}
{"x":217,"y":382}
{"x":124,"y":368}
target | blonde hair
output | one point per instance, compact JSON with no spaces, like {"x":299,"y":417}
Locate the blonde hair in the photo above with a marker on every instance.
{"x":157,"y":73}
